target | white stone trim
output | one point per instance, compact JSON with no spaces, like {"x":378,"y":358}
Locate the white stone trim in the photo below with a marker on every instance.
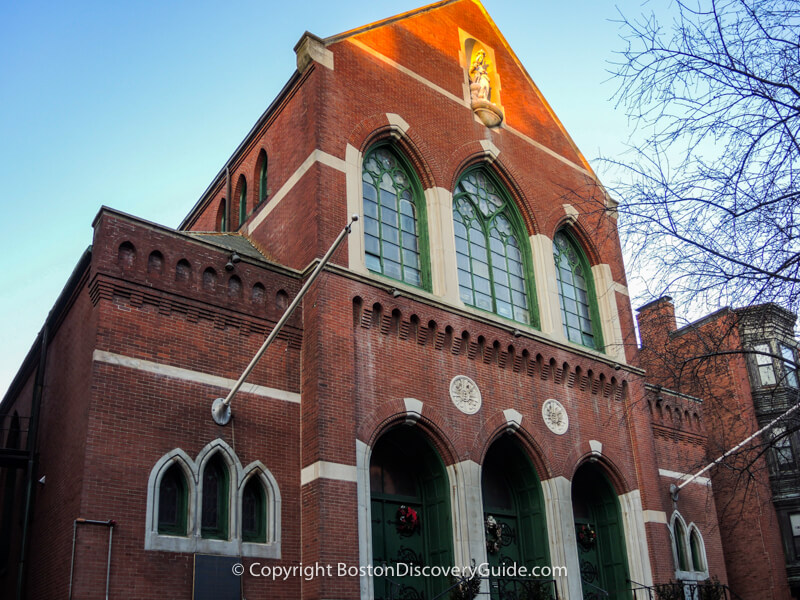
{"x":315,"y":156}
{"x":605,"y":290}
{"x":355,"y":241}
{"x":442,"y":244}
{"x":466,"y":511}
{"x":193,"y":542}
{"x":639,"y":568}
{"x":560,"y":519}
{"x":678,"y":475}
{"x":193,"y":376}
{"x":513,"y":419}
{"x":571,"y":212}
{"x":413,"y":410}
{"x":398,"y":123}
{"x":544,"y":272}
{"x":490,"y":150}
{"x":328,"y":470}
{"x":363,"y":452}
{"x":310,"y":48}
{"x":596,"y":447}
{"x":655,"y":516}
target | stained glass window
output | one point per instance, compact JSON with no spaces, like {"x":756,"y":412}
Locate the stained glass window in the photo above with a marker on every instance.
{"x":491,"y":267}
{"x":214,"y":520}
{"x":391,"y":223}
{"x":254,"y":512}
{"x":572,"y":277}
{"x":172,"y":502}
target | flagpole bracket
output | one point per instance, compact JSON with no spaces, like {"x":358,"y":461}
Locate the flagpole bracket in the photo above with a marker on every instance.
{"x":221,"y":412}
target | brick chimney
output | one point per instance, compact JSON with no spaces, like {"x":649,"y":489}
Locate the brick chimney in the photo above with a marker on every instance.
{"x":656,"y":321}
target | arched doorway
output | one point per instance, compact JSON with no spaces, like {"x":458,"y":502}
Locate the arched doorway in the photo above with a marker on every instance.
{"x":513,"y":516}
{"x":599,"y":534}
{"x":411,"y":521}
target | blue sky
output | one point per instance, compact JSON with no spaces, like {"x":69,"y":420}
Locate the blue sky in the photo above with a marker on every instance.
{"x":137,"y":106}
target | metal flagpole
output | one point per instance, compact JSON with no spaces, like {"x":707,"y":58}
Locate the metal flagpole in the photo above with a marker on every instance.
{"x":674,"y":489}
{"x":221,"y":408}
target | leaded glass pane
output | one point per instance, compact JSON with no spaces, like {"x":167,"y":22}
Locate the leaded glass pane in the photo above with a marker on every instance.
{"x":214,"y":513}
{"x":487,"y":249}
{"x":390,"y":224}
{"x":572,"y":292}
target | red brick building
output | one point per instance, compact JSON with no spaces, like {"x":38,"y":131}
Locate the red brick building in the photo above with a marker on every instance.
{"x":460,"y":386}
{"x":742,"y":362}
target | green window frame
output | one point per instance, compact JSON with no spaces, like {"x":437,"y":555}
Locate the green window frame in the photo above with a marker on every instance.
{"x":215,"y":499}
{"x":395,"y":224}
{"x":262,"y":179}
{"x":242,"y":201}
{"x":172,"y":502}
{"x":254,"y":511}
{"x":576,"y":293}
{"x":492,"y":253}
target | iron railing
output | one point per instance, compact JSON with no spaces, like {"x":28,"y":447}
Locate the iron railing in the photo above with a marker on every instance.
{"x":500,"y":588}
{"x":683,"y":590}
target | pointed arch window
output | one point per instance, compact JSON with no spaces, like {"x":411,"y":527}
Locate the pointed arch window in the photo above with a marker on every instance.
{"x":696,"y":548}
{"x":214,"y":521}
{"x":222,"y":216}
{"x":493,"y":271}
{"x":679,"y":539}
{"x":394,"y":218}
{"x":576,"y":293}
{"x":172,"y":501}
{"x":242,"y":200}
{"x":262,"y":177}
{"x":254,"y":515}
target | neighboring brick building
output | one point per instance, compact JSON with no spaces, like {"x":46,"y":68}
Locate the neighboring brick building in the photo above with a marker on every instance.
{"x":742,"y":363}
{"x":469,"y":355}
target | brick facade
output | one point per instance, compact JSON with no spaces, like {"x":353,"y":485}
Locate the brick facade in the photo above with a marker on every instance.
{"x":157,"y":322}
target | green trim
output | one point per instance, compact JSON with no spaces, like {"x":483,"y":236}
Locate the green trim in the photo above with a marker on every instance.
{"x":259,"y":534}
{"x":220,"y":531}
{"x":591,"y":292}
{"x":416,"y":198}
{"x":179,"y":527}
{"x":505,"y":209}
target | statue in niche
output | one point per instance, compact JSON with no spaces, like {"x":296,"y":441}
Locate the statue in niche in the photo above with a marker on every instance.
{"x":480,"y":89}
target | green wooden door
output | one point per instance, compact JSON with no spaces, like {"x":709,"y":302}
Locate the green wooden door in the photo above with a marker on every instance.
{"x":406,"y":472}
{"x":599,"y":534}
{"x":514,"y":518}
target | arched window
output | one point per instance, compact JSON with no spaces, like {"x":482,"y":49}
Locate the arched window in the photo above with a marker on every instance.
{"x":576,"y":293}
{"x":696,"y":548}
{"x":679,"y":541}
{"x":262,"y":177}
{"x":493,"y":271}
{"x":172,"y":502}
{"x":254,"y":512}
{"x":222,"y":215}
{"x":185,"y":496}
{"x":394,"y":218}
{"x":214,"y":520}
{"x":242,"y":199}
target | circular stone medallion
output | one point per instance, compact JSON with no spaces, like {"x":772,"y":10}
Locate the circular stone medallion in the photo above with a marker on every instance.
{"x":465,"y":394}
{"x":555,"y":416}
